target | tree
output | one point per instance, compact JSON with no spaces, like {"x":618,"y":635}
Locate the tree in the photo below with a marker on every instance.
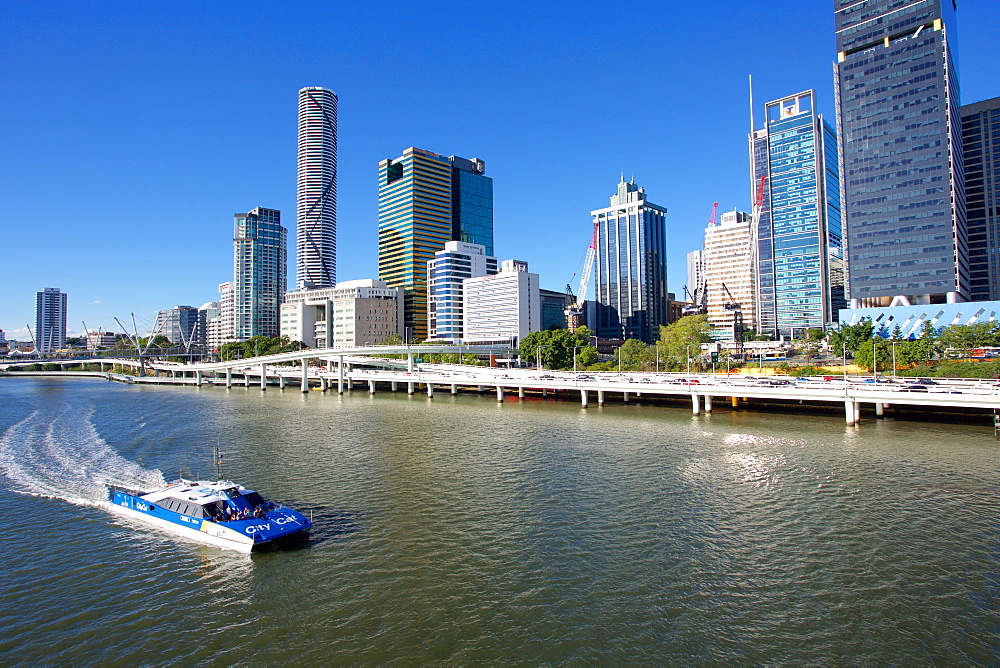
{"x":851,"y":336}
{"x":815,"y":334}
{"x":554,"y":347}
{"x":588,"y":355}
{"x":633,"y":355}
{"x":875,"y":355}
{"x":691,"y":330}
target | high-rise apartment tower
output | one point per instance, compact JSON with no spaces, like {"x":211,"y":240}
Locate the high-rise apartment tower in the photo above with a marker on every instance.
{"x":424,"y":201}
{"x":901,"y":169}
{"x":316,"y":195}
{"x":50,"y":320}
{"x":260,"y":271}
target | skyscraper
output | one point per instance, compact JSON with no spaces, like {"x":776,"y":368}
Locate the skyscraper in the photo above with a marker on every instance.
{"x":981,"y":155}
{"x":50,"y":320}
{"x":900,"y":151}
{"x":260,"y":259}
{"x":424,"y":201}
{"x":730,"y":276}
{"x":503,"y":307}
{"x":316,"y":196}
{"x":631,"y":266}
{"x":800,"y":253}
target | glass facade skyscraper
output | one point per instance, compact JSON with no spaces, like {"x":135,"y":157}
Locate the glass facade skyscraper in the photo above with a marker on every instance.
{"x":800,"y":255}
{"x":260,"y":270}
{"x":631,"y":266}
{"x":424,"y":201}
{"x":981,"y":155}
{"x":901,"y":158}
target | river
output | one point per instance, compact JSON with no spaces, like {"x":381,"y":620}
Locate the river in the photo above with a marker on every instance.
{"x":460,"y":530}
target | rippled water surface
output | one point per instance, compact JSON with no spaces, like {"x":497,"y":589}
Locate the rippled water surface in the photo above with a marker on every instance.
{"x":462,"y":531}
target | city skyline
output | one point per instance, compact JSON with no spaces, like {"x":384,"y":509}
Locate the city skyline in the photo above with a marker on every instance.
{"x":110,"y":156}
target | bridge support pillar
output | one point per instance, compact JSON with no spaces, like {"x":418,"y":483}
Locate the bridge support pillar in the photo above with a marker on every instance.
{"x":735,"y":401}
{"x":520,"y":392}
{"x":857,"y":411}
{"x":197,"y":378}
{"x":545,"y":392}
{"x":583,"y":398}
{"x":393,"y":385}
{"x":305,"y":377}
{"x":454,"y":388}
{"x":340,"y":376}
{"x":600,"y":397}
{"x":879,"y":409}
{"x":263,"y":377}
{"x":173,"y":373}
{"x":323,"y":384}
{"x":409,"y":362}
{"x":229,"y":377}
{"x":499,"y":392}
{"x":695,"y":403}
{"x":625,"y":397}
{"x":430,"y":390}
{"x":708,"y":403}
{"x":479,"y":388}
{"x":281,"y":381}
{"x":409,"y":388}
{"x":371,"y":387}
{"x":246,"y":378}
{"x":850,"y":411}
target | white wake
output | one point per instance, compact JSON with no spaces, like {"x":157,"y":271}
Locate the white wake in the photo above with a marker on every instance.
{"x":59,"y":454}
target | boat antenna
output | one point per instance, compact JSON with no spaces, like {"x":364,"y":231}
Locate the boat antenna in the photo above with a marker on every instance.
{"x":218,"y":461}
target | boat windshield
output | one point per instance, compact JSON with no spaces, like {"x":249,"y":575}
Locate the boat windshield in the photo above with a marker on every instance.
{"x":254,"y":499}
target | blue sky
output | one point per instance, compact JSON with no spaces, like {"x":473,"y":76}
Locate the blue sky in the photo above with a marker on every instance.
{"x":132,"y":132}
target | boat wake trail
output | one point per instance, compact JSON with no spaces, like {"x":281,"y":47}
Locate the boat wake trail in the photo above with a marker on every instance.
{"x":59,"y":454}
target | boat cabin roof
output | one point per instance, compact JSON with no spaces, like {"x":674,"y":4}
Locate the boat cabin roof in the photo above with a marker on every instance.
{"x":200,"y":492}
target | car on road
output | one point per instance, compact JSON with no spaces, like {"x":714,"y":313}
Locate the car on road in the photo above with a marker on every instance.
{"x":915,"y":387}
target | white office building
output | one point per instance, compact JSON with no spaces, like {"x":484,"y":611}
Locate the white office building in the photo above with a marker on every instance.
{"x":445,"y":273}
{"x":729,"y":275}
{"x":352,"y":313}
{"x":501,"y":308}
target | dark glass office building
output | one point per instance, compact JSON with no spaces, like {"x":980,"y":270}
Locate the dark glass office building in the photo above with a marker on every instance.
{"x":900,"y":152}
{"x":631,"y":266}
{"x":981,"y":155}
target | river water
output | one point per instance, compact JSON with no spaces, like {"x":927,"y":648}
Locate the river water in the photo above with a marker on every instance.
{"x":462,"y":531}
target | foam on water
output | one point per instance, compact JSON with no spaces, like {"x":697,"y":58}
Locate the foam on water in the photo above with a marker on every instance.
{"x":58,"y":453}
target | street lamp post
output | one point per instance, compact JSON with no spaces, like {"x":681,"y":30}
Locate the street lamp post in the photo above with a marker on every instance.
{"x":894,"y":359}
{"x":575,"y":348}
{"x":657,"y":358}
{"x":689,"y":357}
{"x":845,"y":360}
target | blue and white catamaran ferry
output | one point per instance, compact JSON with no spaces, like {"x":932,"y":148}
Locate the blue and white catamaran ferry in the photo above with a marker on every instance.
{"x":220,"y":513}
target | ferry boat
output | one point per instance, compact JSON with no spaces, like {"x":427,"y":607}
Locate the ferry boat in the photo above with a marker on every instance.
{"x":219,"y":513}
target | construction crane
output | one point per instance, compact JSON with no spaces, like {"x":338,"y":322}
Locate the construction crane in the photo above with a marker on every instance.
{"x":712,"y":219}
{"x":730,"y":304}
{"x":574,"y":312}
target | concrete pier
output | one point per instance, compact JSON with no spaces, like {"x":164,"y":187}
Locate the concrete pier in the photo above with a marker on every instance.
{"x":695,"y":404}
{"x":583,"y":398}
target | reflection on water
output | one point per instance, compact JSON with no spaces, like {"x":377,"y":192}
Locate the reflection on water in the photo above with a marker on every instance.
{"x":464,"y":530}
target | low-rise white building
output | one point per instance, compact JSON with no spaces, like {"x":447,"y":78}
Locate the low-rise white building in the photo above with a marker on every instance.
{"x":501,"y":308}
{"x":97,"y":340}
{"x":352,"y":313}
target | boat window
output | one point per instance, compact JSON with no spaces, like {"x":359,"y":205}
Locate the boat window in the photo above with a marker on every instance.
{"x":196,"y":510}
{"x":232,"y":493}
{"x":253,"y":498}
{"x":213,"y":509}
